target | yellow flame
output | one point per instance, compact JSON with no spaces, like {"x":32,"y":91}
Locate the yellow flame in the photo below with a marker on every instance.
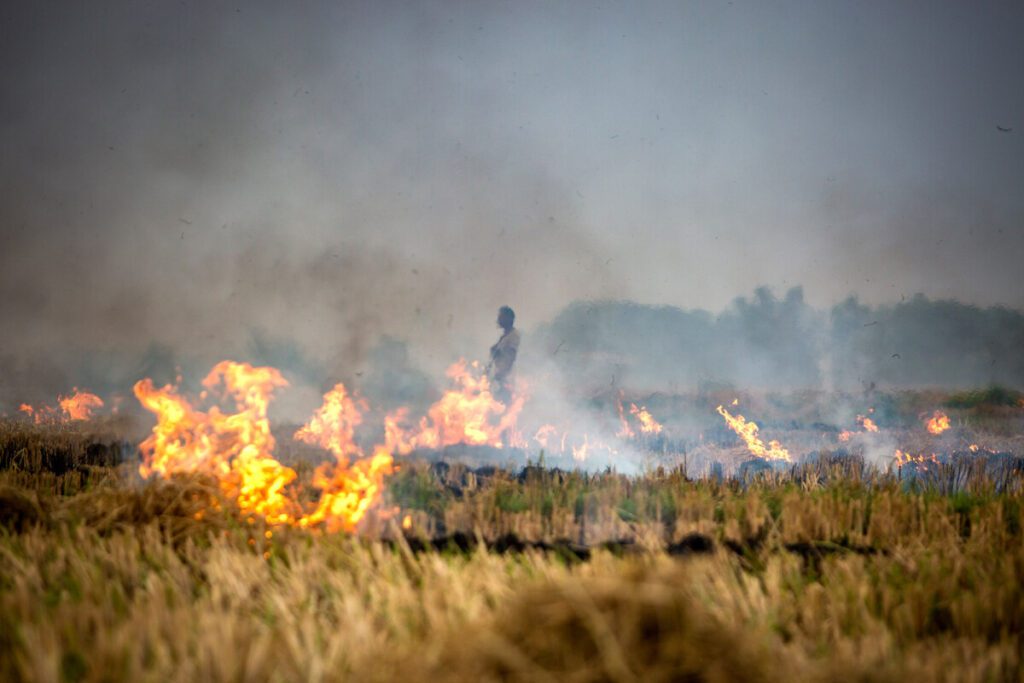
{"x":748,"y":432}
{"x":468,"y":413}
{"x":937,"y":423}
{"x":237,"y":447}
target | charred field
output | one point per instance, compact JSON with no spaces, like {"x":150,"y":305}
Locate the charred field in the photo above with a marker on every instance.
{"x":479,"y":563}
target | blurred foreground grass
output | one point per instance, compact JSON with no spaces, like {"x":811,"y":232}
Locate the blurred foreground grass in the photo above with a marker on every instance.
{"x":832,"y":573}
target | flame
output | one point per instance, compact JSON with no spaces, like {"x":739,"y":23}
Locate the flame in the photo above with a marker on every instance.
{"x":867,"y":423}
{"x":748,"y":432}
{"x":348,"y":490}
{"x":648,"y":425}
{"x":468,"y":413}
{"x":973,"y":448}
{"x":333,"y":425}
{"x":735,"y":402}
{"x":236,"y":448}
{"x":625,"y":432}
{"x":78,"y":406}
{"x":233,"y":447}
{"x":919,"y":461}
{"x":937,"y":423}
{"x":407,"y":522}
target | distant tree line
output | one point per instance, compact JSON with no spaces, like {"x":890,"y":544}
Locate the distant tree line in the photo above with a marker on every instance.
{"x":768,"y":342}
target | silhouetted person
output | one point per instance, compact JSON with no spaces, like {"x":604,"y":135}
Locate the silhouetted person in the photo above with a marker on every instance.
{"x":503,"y":356}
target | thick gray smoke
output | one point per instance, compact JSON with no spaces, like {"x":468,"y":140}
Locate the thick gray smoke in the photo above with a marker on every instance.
{"x":291,"y":184}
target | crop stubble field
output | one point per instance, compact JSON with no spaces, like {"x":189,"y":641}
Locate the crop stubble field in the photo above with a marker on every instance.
{"x":826,"y":570}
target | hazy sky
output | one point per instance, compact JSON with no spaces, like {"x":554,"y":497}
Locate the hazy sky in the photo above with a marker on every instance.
{"x":325,"y":172}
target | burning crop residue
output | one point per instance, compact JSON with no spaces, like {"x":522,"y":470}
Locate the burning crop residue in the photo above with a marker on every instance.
{"x":644,"y":420}
{"x":865,"y":423}
{"x":467,"y":413}
{"x":747,"y":430}
{"x":919,"y":462}
{"x":937,"y":423}
{"x":236,"y":448}
{"x":80,"y":405}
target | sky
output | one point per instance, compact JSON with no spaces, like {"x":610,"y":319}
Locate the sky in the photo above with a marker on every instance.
{"x":195,"y":174}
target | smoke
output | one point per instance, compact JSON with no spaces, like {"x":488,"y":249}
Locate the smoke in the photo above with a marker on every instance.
{"x":191,"y":182}
{"x":772,"y":344}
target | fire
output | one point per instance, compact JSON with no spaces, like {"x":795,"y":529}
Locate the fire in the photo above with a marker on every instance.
{"x":348,"y":491}
{"x":648,"y":425}
{"x":974,"y":448}
{"x":333,"y":426}
{"x":937,"y":423}
{"x":920,"y":461}
{"x":625,"y":432}
{"x":468,"y":413}
{"x":867,"y":423}
{"x":748,"y":432}
{"x":236,"y":448}
{"x":80,"y":405}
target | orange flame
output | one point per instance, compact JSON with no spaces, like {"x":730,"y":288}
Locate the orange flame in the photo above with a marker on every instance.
{"x":867,"y":423}
{"x":466,"y":414}
{"x":236,"y":448}
{"x":333,"y":425}
{"x":347,"y":491}
{"x":937,"y":423}
{"x":919,"y":461}
{"x":625,"y":432}
{"x":78,"y":406}
{"x":648,"y":425}
{"x":748,"y":432}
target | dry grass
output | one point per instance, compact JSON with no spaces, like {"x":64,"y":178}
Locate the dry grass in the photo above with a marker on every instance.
{"x":838,"y":576}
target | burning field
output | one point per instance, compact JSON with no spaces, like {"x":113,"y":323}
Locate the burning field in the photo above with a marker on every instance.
{"x":706,"y":536}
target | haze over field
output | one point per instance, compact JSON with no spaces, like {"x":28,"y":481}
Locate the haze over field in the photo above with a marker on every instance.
{"x":194,"y":181}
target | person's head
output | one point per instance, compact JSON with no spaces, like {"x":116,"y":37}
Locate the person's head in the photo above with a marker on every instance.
{"x":506,"y":318}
